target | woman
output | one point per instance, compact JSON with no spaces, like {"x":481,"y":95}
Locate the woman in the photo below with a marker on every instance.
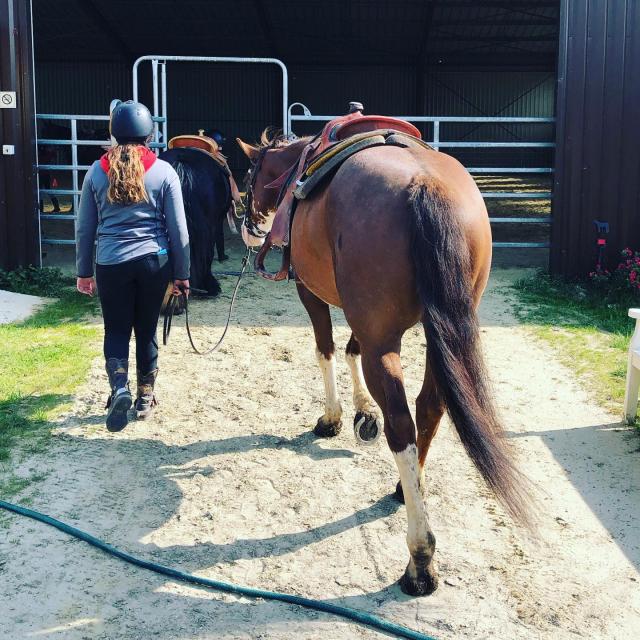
{"x":132,"y":201}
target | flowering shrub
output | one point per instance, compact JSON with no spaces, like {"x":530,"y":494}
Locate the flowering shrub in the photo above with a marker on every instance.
{"x":623,"y":282}
{"x":628,"y":271}
{"x":600,"y":278}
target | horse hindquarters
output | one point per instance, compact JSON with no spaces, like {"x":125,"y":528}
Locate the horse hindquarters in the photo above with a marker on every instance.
{"x":442,"y":263}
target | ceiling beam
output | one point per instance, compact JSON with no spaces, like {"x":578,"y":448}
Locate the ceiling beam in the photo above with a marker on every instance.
{"x":537,"y":60}
{"x":547,"y":37}
{"x":541,"y":21}
{"x":504,"y":4}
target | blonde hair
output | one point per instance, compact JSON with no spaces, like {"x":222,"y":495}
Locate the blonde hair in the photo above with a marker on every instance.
{"x":126,"y":174}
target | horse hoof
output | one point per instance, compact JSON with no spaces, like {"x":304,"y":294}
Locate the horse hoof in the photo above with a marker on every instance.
{"x":424,"y":583}
{"x":418,"y":587}
{"x":399,"y":493}
{"x":366,"y":428}
{"x":327,"y":429}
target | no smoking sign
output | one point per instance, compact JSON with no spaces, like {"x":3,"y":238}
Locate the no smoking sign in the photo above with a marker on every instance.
{"x":7,"y":99}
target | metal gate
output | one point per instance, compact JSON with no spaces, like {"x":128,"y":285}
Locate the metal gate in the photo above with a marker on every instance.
{"x":75,"y":141}
{"x":70,"y":170}
{"x":159,"y":84}
{"x":438,"y":143}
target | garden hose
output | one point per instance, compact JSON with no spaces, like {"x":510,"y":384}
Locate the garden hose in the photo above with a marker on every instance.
{"x":360,"y":617}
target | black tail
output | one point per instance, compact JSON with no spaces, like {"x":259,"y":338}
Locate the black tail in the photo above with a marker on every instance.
{"x":185,"y":173}
{"x":201,"y":234}
{"x":443,"y":273}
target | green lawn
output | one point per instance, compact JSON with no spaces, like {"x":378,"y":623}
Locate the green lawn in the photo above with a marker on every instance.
{"x":589,"y":331}
{"x":42,"y":361}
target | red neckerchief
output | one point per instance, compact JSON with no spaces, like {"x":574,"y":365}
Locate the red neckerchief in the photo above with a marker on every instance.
{"x":147,"y":156}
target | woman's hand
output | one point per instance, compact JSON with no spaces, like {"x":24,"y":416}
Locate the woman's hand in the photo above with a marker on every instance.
{"x":86,"y":286}
{"x":181,"y":286}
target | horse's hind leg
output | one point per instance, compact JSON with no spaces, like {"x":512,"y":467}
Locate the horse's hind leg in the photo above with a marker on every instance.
{"x":383,"y":373}
{"x":429,"y":411}
{"x":330,"y":423}
{"x":219,"y":238}
{"x":366,"y":424}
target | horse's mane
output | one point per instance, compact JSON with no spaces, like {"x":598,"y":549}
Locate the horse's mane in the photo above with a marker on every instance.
{"x":272,"y":138}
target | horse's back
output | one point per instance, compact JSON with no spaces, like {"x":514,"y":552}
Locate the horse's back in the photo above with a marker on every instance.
{"x":365,"y":215}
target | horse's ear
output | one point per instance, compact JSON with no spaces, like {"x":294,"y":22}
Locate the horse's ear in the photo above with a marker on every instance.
{"x":248,"y":150}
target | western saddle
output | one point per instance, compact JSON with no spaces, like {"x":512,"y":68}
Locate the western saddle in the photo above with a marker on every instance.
{"x":339,"y":139}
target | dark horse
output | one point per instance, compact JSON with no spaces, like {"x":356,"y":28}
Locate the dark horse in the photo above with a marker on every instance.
{"x":207,"y":198}
{"x":398,"y":236}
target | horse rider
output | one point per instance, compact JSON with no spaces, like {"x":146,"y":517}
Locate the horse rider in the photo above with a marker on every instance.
{"x":218,"y":136}
{"x":132,"y":202}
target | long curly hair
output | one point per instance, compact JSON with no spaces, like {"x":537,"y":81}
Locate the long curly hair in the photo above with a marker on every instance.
{"x":126,"y":174}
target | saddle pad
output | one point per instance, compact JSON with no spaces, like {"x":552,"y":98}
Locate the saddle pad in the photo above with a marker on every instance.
{"x":329,"y":153}
{"x":309,"y":180}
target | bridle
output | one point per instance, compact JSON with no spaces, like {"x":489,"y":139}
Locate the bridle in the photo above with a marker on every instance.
{"x":249,"y":212}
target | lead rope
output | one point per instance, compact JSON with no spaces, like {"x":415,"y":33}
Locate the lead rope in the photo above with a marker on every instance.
{"x":173,"y":301}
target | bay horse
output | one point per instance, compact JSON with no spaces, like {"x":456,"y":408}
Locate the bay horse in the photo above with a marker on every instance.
{"x":397,"y":236}
{"x":207,"y":196}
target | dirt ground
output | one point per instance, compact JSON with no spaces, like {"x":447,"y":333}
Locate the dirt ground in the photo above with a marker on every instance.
{"x":229,"y":482}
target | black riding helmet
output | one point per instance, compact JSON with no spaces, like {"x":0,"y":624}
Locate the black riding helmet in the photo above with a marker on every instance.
{"x":216,"y":135}
{"x":131,"y":122}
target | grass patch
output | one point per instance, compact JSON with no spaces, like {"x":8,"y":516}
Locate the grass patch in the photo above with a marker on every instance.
{"x":589,"y":331}
{"x":42,"y":361}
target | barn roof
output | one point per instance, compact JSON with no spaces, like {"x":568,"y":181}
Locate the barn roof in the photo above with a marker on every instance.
{"x":451,"y":33}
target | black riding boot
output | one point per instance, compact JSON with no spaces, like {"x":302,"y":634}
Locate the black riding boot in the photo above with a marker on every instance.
{"x":146,"y":401}
{"x":120,"y":399}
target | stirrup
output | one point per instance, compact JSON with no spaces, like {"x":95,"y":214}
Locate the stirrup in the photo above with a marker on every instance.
{"x":261,"y":270}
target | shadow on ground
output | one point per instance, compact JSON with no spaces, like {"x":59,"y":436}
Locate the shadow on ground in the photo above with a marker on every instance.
{"x":603,"y":463}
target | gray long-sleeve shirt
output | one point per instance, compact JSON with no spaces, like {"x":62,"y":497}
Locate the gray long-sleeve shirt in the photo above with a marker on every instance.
{"x":127,"y":232}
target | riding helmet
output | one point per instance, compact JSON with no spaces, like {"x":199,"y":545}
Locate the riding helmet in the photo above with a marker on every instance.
{"x":131,"y":122}
{"x":216,"y":135}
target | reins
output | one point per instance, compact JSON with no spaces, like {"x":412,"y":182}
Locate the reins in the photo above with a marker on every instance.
{"x":174,"y":300}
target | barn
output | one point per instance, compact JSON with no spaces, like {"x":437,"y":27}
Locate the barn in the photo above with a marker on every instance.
{"x":540,"y":99}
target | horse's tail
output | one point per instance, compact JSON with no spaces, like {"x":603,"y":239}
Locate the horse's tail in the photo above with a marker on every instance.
{"x":443,"y":274}
{"x":187,"y":180}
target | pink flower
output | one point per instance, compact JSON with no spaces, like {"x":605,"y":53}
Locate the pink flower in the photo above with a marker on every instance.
{"x":632,"y":276}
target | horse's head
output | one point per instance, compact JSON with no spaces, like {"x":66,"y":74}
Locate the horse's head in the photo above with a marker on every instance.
{"x":270,"y":160}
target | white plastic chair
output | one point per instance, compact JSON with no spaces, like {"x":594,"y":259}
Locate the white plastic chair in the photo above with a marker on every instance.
{"x":633,"y":371}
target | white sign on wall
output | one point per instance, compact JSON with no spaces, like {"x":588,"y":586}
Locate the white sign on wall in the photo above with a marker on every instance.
{"x":7,"y":99}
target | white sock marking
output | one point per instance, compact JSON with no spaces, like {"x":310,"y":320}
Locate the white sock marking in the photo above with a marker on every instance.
{"x":362,"y":400}
{"x":415,"y":498}
{"x":332,"y":407}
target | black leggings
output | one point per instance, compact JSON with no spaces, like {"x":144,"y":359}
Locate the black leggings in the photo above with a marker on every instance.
{"x":131,"y":295}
